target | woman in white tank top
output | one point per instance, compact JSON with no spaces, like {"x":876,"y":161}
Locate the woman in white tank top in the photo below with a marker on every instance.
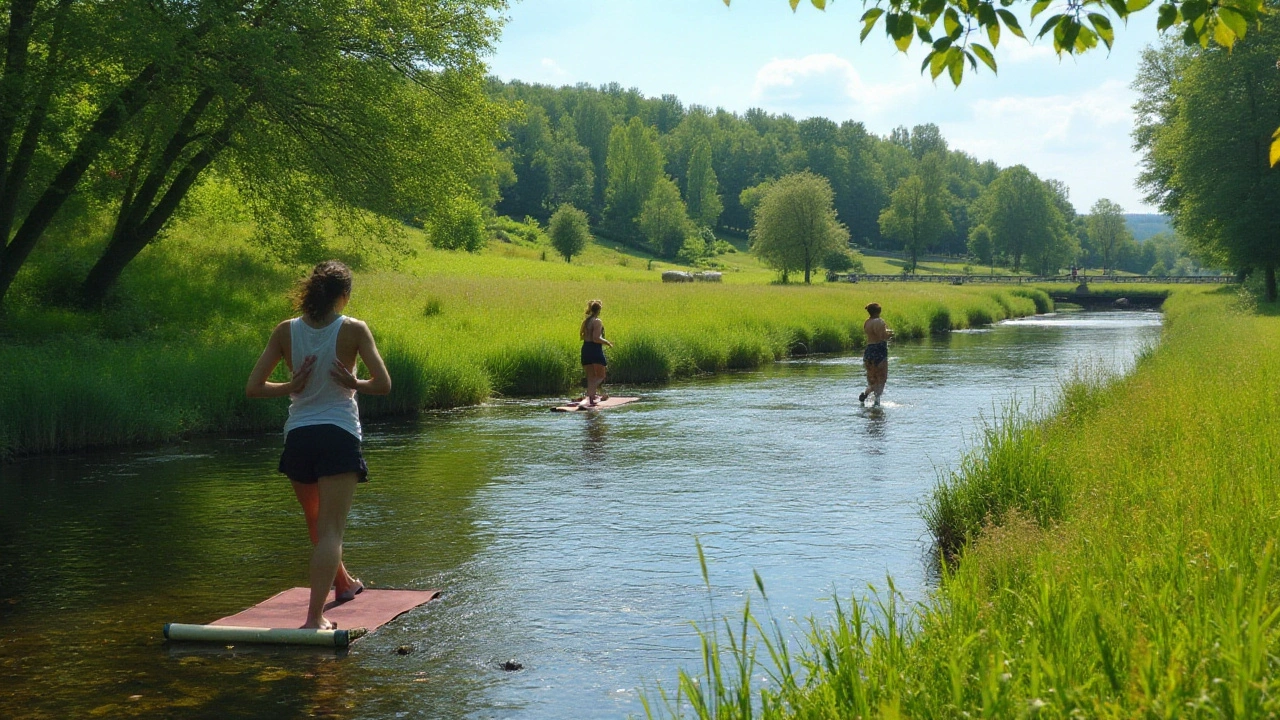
{"x":322,"y":436}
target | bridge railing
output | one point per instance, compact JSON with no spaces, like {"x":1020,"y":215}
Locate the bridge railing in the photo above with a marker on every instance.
{"x":1036,"y":279}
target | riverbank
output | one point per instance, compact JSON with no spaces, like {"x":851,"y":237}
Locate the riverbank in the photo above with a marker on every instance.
{"x":169,"y":358}
{"x":1114,"y":558}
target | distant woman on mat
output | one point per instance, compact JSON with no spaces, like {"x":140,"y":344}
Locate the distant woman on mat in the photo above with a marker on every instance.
{"x":593,"y":360}
{"x":322,"y":435}
{"x":876,"y":355}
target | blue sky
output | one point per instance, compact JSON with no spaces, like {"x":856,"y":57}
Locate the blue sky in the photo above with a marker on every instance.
{"x":1067,"y":119}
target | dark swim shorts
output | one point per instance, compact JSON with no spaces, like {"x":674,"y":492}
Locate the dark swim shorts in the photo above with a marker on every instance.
{"x":315,"y":451}
{"x":593,"y":354}
{"x":875,"y":353}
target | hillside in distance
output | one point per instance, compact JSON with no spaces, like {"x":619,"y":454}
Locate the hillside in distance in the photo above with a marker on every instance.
{"x":1144,"y":226}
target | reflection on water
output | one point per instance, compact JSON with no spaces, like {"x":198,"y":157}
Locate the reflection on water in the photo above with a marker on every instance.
{"x":564,"y":542}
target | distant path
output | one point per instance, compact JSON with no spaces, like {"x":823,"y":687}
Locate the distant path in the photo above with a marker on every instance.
{"x":1036,"y":279}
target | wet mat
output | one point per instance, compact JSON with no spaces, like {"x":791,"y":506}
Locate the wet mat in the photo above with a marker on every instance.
{"x":602,"y":405}
{"x":276,"y":619}
{"x":370,"y":609}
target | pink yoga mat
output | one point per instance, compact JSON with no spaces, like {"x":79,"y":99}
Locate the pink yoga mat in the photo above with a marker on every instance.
{"x":601,"y":405}
{"x":370,"y":609}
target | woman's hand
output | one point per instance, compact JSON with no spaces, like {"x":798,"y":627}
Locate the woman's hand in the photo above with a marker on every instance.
{"x":300,"y":375}
{"x":343,"y":376}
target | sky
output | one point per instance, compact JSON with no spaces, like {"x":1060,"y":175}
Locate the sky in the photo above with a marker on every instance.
{"x":1067,"y":119}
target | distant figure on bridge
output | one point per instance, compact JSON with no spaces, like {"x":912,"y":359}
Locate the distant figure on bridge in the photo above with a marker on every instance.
{"x":876,"y":355}
{"x":1073,"y":273}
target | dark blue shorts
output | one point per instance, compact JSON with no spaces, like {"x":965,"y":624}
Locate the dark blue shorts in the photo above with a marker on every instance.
{"x":875,"y":353}
{"x":315,"y":451}
{"x":593,"y":354}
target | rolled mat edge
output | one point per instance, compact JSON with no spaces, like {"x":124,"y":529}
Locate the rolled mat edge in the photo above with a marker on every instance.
{"x":270,"y":636}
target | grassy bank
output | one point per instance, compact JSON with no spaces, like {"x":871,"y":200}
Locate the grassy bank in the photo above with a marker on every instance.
{"x":170,"y":355}
{"x":1115,"y":559}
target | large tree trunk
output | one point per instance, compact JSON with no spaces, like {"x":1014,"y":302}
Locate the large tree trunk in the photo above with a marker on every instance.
{"x":109,"y":121}
{"x":143,"y":224}
{"x":13,"y":82}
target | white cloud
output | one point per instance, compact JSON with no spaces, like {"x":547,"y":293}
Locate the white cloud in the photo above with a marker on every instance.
{"x":552,"y":72}
{"x":1082,"y":139}
{"x":1018,"y":51}
{"x":825,"y":84}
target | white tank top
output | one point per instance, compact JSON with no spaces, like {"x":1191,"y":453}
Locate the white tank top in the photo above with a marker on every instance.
{"x":323,"y":401}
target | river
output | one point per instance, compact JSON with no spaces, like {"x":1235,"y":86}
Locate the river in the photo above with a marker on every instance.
{"x":563,"y":542}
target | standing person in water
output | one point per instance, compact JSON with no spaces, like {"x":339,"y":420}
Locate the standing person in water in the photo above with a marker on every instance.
{"x":593,"y":360}
{"x":322,"y":435}
{"x":876,"y":355}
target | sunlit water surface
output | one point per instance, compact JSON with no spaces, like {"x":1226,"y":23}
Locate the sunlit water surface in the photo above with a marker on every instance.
{"x":563,"y":542}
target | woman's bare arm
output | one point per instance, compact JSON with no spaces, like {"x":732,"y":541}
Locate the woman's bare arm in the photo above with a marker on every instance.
{"x":380,"y":383}
{"x":259,"y":387}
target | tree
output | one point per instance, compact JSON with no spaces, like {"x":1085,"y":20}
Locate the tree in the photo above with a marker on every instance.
{"x":1019,"y":211}
{"x":795,"y":224}
{"x":701,"y":193}
{"x":917,"y":212}
{"x":664,"y":220}
{"x":594,"y":126}
{"x":351,"y":109}
{"x":1108,"y":231}
{"x":569,"y":231}
{"x":572,"y":179}
{"x":1205,"y":139}
{"x":635,"y":166}
{"x":459,"y":225}
{"x":981,"y":247}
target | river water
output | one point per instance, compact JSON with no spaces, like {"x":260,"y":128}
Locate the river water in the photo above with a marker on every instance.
{"x":563,"y":542}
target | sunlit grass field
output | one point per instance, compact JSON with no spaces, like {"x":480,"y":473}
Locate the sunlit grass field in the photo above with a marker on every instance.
{"x":1116,"y":558}
{"x":171,"y":354}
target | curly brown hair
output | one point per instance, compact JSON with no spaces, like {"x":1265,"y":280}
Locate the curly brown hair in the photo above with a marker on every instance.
{"x":317,"y":293}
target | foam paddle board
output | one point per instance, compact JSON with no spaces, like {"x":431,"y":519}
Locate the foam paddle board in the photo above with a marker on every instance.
{"x":276,"y":619}
{"x":612,"y":402}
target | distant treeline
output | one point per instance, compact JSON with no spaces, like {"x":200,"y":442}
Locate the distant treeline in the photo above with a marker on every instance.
{"x":565,"y":145}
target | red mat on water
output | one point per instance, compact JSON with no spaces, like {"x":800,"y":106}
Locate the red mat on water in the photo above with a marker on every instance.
{"x":370,"y":609}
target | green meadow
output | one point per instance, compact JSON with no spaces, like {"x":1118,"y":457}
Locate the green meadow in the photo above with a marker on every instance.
{"x":1113,"y":557}
{"x":170,"y":354}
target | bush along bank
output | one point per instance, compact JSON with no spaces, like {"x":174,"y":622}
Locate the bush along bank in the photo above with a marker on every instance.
{"x":483,"y":337}
{"x":1116,"y":558}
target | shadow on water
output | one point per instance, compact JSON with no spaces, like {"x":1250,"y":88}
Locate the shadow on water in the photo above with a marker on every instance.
{"x":563,"y":542}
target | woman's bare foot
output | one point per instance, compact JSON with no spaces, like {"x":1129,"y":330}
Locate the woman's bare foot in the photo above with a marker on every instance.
{"x":323,"y":624}
{"x":354,"y":588}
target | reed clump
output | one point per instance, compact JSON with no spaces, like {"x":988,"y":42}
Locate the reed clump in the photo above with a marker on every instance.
{"x":1150,"y":591}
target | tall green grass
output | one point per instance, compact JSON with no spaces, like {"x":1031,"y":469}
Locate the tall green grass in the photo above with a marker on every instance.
{"x":1125,"y":566}
{"x":169,"y":356}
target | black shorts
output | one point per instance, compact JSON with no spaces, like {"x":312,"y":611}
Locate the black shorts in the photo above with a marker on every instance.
{"x":315,"y":451}
{"x":593,"y":354}
{"x":875,"y":353}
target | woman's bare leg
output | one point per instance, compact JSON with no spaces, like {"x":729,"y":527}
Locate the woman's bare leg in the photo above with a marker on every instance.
{"x":604,"y":394}
{"x":336,"y":493}
{"x":593,"y":382}
{"x":880,"y":376}
{"x":308,"y":495}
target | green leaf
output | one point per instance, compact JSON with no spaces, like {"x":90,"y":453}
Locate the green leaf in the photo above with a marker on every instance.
{"x":955,"y":65}
{"x":942,"y":44}
{"x":937,"y":63}
{"x":993,"y":34}
{"x":1039,"y":7}
{"x":985,"y":55}
{"x":1194,"y":9}
{"x":820,"y":4}
{"x":869,"y":21}
{"x":1050,"y":24}
{"x":794,"y":3}
{"x":922,"y":32}
{"x":1223,"y":35}
{"x":1275,"y":147}
{"x":1102,"y":25}
{"x":973,"y":62}
{"x":987,"y":15}
{"x":951,"y":23}
{"x":902,"y":31}
{"x":1118,"y":6}
{"x":1064,"y":36}
{"x":932,"y":7}
{"x":1233,"y":19}
{"x":1011,"y":22}
{"x":1134,"y":6}
{"x":1166,"y":17}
